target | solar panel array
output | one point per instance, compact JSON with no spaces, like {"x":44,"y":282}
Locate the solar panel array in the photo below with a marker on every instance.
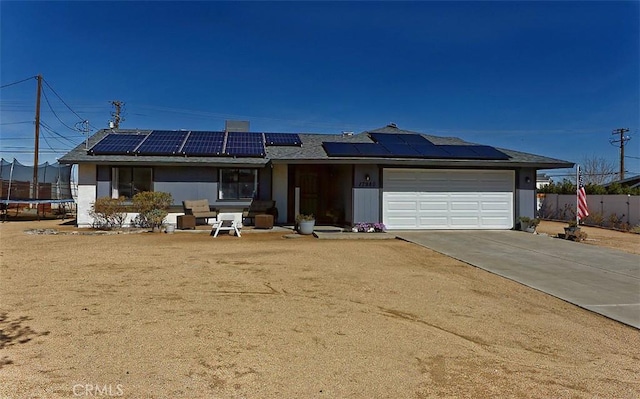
{"x":162,"y":142}
{"x":394,"y":138}
{"x":282,"y":139}
{"x":117,"y":144}
{"x":195,"y":143}
{"x":410,"y":146}
{"x":245,"y":144}
{"x":204,"y":144}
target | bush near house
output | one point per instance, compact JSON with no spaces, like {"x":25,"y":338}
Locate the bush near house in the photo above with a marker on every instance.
{"x":108,"y":213}
{"x":152,"y":208}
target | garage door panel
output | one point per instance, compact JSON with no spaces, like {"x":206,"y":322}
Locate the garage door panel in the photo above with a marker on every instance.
{"x":465,"y":206}
{"x":448,"y":199}
{"x":464,"y":221}
{"x":403,"y":206}
{"x":436,"y":221}
{"x":403,"y":222}
{"x":495,"y":206}
{"x":427,"y":206}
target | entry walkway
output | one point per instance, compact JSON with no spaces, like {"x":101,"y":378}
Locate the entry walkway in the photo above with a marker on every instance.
{"x":602,"y":280}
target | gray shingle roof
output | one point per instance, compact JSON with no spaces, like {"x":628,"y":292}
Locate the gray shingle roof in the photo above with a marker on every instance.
{"x":312,"y":151}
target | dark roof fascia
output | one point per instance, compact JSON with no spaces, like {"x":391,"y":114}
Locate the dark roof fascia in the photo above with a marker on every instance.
{"x":426,"y":163}
{"x":136,"y":161}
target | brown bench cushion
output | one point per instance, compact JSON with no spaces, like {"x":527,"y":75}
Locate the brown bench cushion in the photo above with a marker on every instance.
{"x":198,"y":208}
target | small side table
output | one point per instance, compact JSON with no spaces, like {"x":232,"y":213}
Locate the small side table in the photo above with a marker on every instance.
{"x":186,"y":222}
{"x":263,"y":222}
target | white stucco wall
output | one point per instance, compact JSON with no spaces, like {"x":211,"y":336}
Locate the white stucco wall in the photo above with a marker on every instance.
{"x":280,"y":181}
{"x":86,"y":193}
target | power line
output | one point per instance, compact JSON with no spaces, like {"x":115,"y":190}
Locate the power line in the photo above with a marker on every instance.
{"x":15,"y":83}
{"x":54,"y":151}
{"x":54,"y":112}
{"x":47,"y":142}
{"x":14,"y":123}
{"x":67,"y":105}
{"x":50,"y":129}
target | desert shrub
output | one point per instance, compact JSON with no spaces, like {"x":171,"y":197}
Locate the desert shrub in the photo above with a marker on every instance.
{"x":614,"y":221}
{"x":595,"y":219}
{"x":579,"y":236}
{"x":152,"y":208}
{"x":108,"y":213}
{"x":568,"y":213}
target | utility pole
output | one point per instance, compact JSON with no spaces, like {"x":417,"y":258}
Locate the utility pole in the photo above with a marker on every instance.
{"x":37,"y":140}
{"x":622,"y":140}
{"x":117,"y":114}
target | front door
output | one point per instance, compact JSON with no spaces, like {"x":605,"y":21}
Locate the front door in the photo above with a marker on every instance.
{"x":309,"y":192}
{"x":323,"y":191}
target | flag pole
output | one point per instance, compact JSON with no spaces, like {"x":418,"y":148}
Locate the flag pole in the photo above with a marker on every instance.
{"x":577,"y":194}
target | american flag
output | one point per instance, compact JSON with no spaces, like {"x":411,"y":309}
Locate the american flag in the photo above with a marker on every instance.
{"x":583,"y":209}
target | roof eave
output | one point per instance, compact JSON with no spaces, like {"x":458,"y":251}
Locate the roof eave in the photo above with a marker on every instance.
{"x":430,"y":162}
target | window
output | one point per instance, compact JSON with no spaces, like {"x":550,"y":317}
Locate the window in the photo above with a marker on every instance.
{"x":238,"y":184}
{"x":129,"y":181}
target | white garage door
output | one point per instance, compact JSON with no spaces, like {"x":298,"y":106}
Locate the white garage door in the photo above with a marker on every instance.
{"x":447,"y":199}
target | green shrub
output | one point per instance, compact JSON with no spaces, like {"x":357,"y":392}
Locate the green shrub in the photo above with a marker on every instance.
{"x":152,"y":208}
{"x":568,"y":187}
{"x":108,"y":213}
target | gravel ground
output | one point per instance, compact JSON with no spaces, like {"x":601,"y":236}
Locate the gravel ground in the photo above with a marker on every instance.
{"x":189,"y":316}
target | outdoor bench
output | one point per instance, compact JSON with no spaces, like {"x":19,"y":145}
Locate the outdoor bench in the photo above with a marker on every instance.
{"x":260,"y":207}
{"x":199,"y":208}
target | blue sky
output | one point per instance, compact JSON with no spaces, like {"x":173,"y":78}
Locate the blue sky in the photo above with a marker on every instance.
{"x":550,"y":78}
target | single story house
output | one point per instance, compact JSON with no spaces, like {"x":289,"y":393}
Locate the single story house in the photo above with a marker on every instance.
{"x":404,"y":179}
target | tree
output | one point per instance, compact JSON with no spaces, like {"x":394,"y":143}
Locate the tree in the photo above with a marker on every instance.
{"x":597,"y":170}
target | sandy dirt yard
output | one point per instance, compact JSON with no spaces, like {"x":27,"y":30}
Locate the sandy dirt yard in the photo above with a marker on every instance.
{"x":627,"y":242}
{"x":185,"y":315}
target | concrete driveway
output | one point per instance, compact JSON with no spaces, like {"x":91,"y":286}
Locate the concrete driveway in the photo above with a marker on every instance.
{"x":602,"y":280}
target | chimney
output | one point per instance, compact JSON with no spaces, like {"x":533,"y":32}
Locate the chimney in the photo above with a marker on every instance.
{"x":236,"y":126}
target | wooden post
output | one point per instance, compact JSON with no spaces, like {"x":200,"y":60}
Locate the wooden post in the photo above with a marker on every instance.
{"x":36,"y":146}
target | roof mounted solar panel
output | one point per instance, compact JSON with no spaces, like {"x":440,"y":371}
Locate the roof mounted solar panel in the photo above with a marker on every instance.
{"x":245,"y":144}
{"x":488,"y":152}
{"x":203,"y":144}
{"x":412,"y":139}
{"x":371,"y":150}
{"x":474,"y":152}
{"x":341,"y":149}
{"x":384,"y":138}
{"x":117,"y":144}
{"x":282,"y":139}
{"x":162,"y":142}
{"x":401,"y":150}
{"x":459,"y":151}
{"x":431,"y":151}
